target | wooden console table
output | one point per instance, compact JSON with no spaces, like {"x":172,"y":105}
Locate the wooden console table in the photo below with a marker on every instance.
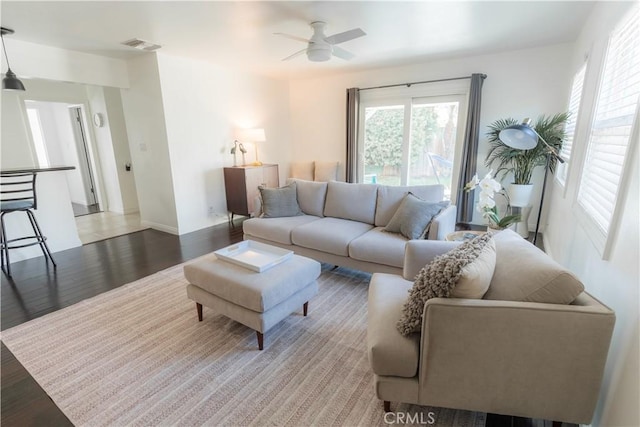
{"x":241,"y":186}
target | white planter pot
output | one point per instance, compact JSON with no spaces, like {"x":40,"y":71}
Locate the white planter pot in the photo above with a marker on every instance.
{"x":520,"y":194}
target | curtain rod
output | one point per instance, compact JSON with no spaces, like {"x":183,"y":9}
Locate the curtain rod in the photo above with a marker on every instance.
{"x":484,"y":76}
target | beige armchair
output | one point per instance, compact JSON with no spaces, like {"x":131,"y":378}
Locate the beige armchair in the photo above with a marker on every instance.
{"x":526,"y":359}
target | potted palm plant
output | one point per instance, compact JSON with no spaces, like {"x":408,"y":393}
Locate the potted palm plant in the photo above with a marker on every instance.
{"x":521,"y":163}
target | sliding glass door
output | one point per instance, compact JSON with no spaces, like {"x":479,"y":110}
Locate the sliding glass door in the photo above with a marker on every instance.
{"x":412,"y":141}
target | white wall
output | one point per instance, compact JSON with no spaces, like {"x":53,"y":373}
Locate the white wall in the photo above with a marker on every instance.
{"x":523,"y":83}
{"x":105,"y":149}
{"x":115,"y":121}
{"x":145,"y":120}
{"x":15,"y":147}
{"x":201,"y":112}
{"x":614,"y":281}
{"x":46,"y":62}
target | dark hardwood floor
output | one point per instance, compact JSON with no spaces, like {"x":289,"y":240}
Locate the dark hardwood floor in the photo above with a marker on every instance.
{"x":84,"y":272}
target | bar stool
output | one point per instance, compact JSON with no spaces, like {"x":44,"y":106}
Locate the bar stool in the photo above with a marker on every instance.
{"x":18,"y":194}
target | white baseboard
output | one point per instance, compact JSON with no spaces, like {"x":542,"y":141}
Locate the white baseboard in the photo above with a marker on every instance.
{"x":123,"y":211}
{"x":160,"y":227}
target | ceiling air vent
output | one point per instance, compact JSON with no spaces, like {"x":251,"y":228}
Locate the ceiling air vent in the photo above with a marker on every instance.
{"x":142,"y":44}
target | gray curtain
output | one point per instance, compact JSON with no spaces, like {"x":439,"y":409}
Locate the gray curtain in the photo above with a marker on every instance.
{"x":470,"y":149}
{"x":353,"y":104}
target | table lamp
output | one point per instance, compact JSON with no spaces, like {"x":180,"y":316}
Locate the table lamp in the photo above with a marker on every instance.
{"x":254,"y":136}
{"x":524,"y":137}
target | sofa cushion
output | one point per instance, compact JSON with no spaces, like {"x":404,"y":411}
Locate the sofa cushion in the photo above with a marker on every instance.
{"x":390,"y":197}
{"x":351,"y":201}
{"x":379,"y":247}
{"x":280,"y":202}
{"x":390,"y":354}
{"x":476,"y":276}
{"x":302,"y":170}
{"x":275,"y":229}
{"x":525,"y":273}
{"x":325,"y":171}
{"x":311,"y":196}
{"x":413,"y":217}
{"x":436,"y":280}
{"x":331,"y":235}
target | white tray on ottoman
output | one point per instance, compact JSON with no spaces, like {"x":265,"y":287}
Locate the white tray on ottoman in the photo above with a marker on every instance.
{"x":255,"y":256}
{"x":257,"y":300}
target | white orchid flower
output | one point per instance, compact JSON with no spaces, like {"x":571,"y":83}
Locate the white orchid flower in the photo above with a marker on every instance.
{"x":486,"y":202}
{"x":489,"y":184}
{"x":472,"y":184}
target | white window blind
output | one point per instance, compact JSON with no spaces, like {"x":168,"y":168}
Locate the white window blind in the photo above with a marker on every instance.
{"x":570,"y":126}
{"x":612,"y":124}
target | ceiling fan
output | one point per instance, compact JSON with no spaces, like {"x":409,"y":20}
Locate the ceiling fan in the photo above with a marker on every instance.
{"x":320,"y":47}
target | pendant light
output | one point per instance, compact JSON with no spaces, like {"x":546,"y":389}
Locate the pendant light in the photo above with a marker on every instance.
{"x":10,"y":81}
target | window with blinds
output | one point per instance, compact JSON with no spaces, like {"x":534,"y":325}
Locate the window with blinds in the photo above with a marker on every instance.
{"x":570,"y":126}
{"x":609,"y":139}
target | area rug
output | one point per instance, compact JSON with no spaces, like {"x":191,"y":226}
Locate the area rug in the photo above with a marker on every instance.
{"x":138,"y":356}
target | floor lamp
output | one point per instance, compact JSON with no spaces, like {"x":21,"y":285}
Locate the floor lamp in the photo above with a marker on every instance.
{"x":524,"y":137}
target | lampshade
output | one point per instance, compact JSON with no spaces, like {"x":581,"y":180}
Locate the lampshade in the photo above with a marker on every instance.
{"x":521,"y":137}
{"x":250,"y":135}
{"x":10,"y":81}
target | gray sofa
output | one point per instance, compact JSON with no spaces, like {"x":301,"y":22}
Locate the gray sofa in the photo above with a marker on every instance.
{"x":508,"y":353}
{"x":343,"y":224}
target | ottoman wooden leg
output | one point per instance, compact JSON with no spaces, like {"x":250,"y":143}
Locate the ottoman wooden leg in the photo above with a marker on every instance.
{"x":305,"y":308}
{"x":199,"y":310}
{"x":260,"y":340}
{"x":387,"y":405}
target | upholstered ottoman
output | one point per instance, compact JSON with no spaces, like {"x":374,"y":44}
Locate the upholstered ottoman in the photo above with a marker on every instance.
{"x":257,"y":300}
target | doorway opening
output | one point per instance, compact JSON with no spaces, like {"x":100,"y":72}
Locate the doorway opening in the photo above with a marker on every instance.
{"x":61,"y":135}
{"x":92,"y":205}
{"x":60,"y":138}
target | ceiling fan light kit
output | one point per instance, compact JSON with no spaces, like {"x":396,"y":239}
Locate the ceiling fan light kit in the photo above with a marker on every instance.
{"x":321,"y":48}
{"x":319,"y":53}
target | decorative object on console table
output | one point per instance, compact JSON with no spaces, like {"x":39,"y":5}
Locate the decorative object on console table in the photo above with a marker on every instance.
{"x":234,"y":150}
{"x":524,"y":137}
{"x":254,"y":136}
{"x":241,"y":186}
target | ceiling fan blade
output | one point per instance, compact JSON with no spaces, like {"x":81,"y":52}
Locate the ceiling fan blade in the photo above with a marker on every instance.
{"x":298,"y":53}
{"x":345,"y":36}
{"x":289,"y":36}
{"x":342,"y":53}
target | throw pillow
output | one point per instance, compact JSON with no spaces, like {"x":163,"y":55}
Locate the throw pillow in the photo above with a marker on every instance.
{"x":302,"y":170}
{"x":476,"y":276}
{"x":437,"y":279}
{"x":390,"y":197}
{"x":311,"y":196}
{"x":326,"y":171}
{"x":279,"y":202}
{"x":413,"y":217}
